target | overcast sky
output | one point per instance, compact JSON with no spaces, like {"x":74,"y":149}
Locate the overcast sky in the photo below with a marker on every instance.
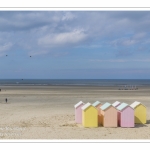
{"x":75,"y":44}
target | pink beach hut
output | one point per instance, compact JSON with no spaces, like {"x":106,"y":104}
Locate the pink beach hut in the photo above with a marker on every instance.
{"x":126,"y":115}
{"x":109,"y":115}
{"x":116,"y":104}
{"x":97,"y":104}
{"x":78,"y":112}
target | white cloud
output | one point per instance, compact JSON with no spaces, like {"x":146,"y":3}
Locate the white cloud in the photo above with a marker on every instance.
{"x":128,"y":42}
{"x":5,"y":47}
{"x":108,"y":60}
{"x":120,"y":60}
{"x":61,"y":39}
{"x":123,"y":42}
{"x":147,"y":41}
{"x":139,"y":35}
{"x":41,"y":31}
{"x":68,"y":16}
{"x":34,"y":53}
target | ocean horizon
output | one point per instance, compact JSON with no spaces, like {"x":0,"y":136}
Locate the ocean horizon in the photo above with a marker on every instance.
{"x":76,"y":82}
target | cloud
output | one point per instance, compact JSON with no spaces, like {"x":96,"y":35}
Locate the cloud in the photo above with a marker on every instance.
{"x":128,"y":41}
{"x":139,"y":35}
{"x":5,"y":47}
{"x":34,"y":53}
{"x":108,"y":60}
{"x":119,"y":60}
{"x":41,"y":31}
{"x":61,"y":39}
{"x":118,"y":42}
{"x":147,"y":41}
{"x":22,"y":20}
{"x":68,"y":16}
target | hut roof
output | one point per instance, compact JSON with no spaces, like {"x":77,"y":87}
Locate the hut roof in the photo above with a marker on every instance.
{"x":78,"y":104}
{"x":116,"y":103}
{"x":105,"y":106}
{"x":86,"y":106}
{"x":135,"y":104}
{"x":96,"y":103}
{"x":122,"y":106}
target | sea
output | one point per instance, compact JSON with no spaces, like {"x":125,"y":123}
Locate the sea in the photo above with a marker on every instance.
{"x":75,"y":82}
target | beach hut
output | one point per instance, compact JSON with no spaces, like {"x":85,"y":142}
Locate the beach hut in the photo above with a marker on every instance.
{"x":89,"y":116}
{"x":139,"y":112}
{"x":116,"y":104}
{"x":109,"y":115}
{"x":78,"y":112}
{"x":97,"y":104}
{"x":125,"y":115}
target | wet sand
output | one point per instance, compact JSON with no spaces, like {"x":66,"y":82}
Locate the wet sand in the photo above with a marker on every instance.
{"x":47,"y":112}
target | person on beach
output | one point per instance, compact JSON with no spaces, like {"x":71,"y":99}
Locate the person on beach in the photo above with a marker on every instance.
{"x":6,"y":100}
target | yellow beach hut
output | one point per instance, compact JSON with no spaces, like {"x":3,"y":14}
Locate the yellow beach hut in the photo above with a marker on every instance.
{"x":139,"y":112}
{"x":89,"y":115}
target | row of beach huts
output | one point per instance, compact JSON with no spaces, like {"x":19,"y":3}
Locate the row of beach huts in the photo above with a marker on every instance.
{"x":110,"y":115}
{"x":128,"y":87}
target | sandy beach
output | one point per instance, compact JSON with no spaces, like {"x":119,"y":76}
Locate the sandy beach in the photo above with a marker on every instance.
{"x":47,"y":112}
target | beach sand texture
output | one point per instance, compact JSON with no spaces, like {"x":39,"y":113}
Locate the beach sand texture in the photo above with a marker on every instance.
{"x":47,"y":112}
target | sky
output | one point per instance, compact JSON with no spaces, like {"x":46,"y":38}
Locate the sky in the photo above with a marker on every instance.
{"x":75,"y":44}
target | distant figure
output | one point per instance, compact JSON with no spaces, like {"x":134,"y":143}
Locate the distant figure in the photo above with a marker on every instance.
{"x":30,"y":56}
{"x":6,"y":55}
{"x":0,"y":89}
{"x":6,"y":100}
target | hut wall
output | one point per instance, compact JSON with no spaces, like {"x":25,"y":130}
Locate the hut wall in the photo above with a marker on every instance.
{"x":127,"y":117}
{"x":89,"y":117}
{"x":140,"y":114}
{"x":110,"y":117}
{"x":78,"y":114}
{"x":99,"y":114}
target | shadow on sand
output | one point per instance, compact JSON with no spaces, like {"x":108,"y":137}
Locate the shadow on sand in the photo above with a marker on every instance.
{"x":148,"y":122}
{"x":142,"y":125}
{"x":4,"y":103}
